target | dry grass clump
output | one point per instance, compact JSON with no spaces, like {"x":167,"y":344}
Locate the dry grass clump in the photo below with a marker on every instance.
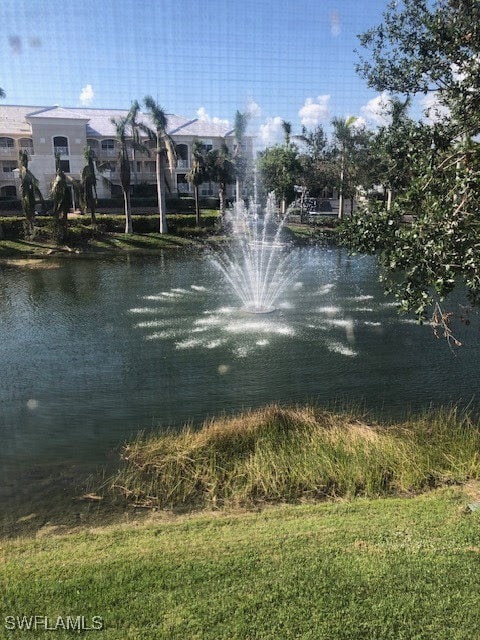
{"x":281,"y":454}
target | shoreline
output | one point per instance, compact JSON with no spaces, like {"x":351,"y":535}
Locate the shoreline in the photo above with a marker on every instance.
{"x":345,"y":457}
{"x":112,"y":244}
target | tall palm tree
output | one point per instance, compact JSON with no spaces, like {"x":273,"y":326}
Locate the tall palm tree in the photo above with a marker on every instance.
{"x":29,"y":192}
{"x":239,"y":130}
{"x":164,"y":146}
{"x":88,"y":183}
{"x":123,"y":160}
{"x":222,"y":171}
{"x":197,"y":174}
{"x":342,"y":131}
{"x":135,"y":132}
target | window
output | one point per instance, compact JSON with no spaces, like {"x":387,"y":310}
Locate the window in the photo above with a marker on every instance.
{"x":7,"y":143}
{"x":182,"y":184}
{"x":9,"y":191}
{"x":93,"y":144}
{"x":8,"y":167}
{"x":108,"y":147}
{"x":182,"y":156}
{"x":60,"y":145}
{"x":65,"y":166}
{"x":26,"y":144}
{"x":207,"y":189}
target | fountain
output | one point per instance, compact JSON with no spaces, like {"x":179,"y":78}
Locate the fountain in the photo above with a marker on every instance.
{"x":258,"y":265}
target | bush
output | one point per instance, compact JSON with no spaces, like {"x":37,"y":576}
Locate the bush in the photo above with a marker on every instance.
{"x":12,"y":228}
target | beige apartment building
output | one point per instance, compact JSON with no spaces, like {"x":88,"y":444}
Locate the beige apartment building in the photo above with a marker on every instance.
{"x":46,"y":131}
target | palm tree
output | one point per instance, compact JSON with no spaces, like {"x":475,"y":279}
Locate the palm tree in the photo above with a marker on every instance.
{"x":123,"y":160}
{"x":164,"y":145}
{"x":343,"y":135}
{"x":239,"y":130}
{"x":197,"y":174}
{"x":135,"y":131}
{"x":222,"y":171}
{"x":2,"y":93}
{"x":60,"y":193}
{"x":88,"y":183}
{"x":287,"y":131}
{"x":29,"y":192}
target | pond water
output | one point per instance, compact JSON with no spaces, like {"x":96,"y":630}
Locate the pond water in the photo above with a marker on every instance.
{"x":93,"y":351}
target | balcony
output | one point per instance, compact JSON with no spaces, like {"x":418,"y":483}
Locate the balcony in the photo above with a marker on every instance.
{"x":29,"y":150}
{"x":8,"y":151}
{"x":7,"y":175}
{"x":182,"y":164}
{"x":62,"y":151}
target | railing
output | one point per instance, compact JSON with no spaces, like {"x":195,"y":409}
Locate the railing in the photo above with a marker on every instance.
{"x":63,"y":151}
{"x":7,"y":175}
{"x":147,"y":175}
{"x":107,"y":153}
{"x":182,"y":164}
{"x":28,"y":150}
{"x":183,"y":188}
{"x":8,"y":151}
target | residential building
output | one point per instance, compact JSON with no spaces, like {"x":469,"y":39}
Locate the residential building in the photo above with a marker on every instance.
{"x":46,"y":131}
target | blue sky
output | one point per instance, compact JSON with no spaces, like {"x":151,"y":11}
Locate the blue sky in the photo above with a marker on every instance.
{"x":282,"y":59}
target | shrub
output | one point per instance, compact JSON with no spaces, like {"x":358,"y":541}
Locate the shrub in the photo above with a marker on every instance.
{"x":12,"y":227}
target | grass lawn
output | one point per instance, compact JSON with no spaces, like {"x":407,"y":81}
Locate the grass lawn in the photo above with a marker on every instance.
{"x":393,"y":568}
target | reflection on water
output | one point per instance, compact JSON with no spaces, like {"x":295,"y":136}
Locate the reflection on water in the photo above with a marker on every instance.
{"x":93,"y":351}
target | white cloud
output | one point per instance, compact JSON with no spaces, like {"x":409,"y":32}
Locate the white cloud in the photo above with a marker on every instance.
{"x":253,"y":109}
{"x":360,"y":123}
{"x":86,"y":96}
{"x":376,"y":109}
{"x":313,"y":112}
{"x":335,"y":26}
{"x":433,"y":109}
{"x":203,"y":115}
{"x":271,"y":132}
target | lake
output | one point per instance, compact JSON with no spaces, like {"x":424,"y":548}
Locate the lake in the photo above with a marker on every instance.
{"x":92,"y":351}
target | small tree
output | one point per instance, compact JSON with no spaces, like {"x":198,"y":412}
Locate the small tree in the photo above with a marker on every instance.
{"x":61,"y":195}
{"x":29,"y":192}
{"x":123,"y":162}
{"x":197,"y":174}
{"x":88,"y":184}
{"x":221,"y":170}
{"x":280,"y":168}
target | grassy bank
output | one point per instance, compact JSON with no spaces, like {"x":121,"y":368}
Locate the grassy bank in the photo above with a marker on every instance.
{"x":103,"y":244}
{"x":289,"y":455}
{"x":388,"y":569}
{"x":106,"y":237}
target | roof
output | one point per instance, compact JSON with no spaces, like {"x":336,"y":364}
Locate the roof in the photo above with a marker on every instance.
{"x":13,"y":120}
{"x":57,"y":112}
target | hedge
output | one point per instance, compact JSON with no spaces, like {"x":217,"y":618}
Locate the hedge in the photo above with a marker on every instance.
{"x":12,"y":227}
